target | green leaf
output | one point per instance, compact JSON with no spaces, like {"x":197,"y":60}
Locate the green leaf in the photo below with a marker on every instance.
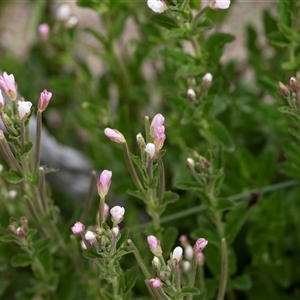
{"x":216,"y":133}
{"x":90,"y":254}
{"x":225,"y":204}
{"x":131,"y":276}
{"x":290,"y":169}
{"x":96,"y":34}
{"x":169,"y":197}
{"x":8,"y":238}
{"x":41,"y":244}
{"x":235,"y":219}
{"x":241,"y":283}
{"x":163,"y":20}
{"x":21,"y":260}
{"x":277,"y":39}
{"x":13,"y":176}
{"x":106,"y":295}
{"x":169,"y":238}
{"x":123,"y":237}
{"x":187,"y":290}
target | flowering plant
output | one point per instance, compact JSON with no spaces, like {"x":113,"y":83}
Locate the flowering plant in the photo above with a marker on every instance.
{"x":175,"y":183}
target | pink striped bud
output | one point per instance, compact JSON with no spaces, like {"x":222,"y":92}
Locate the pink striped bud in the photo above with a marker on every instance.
{"x":9,"y":86}
{"x":154,"y":245}
{"x":117,"y":214}
{"x":44,"y":99}
{"x":103,"y":183}
{"x":155,"y":283}
{"x":200,"y":245}
{"x":114,"y":135}
{"x":157,"y":121}
{"x":78,"y":228}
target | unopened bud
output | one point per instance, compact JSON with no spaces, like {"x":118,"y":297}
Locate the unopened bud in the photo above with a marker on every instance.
{"x":295,"y":88}
{"x":284,"y":90}
{"x":114,"y":135}
{"x":207,"y":80}
{"x":156,"y":264}
{"x":150,"y":149}
{"x":176,"y":256}
{"x":140,"y":141}
{"x":20,"y":232}
{"x":115,"y":231}
{"x":190,"y":163}
{"x":191,"y":95}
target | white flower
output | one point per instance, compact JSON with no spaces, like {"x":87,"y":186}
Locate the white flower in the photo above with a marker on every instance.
{"x":157,"y":6}
{"x":90,"y":236}
{"x":23,"y":109}
{"x":150,"y":149}
{"x":117,"y":214}
{"x":63,"y":13}
{"x":115,"y":231}
{"x":177,"y":256}
{"x":219,"y":4}
{"x":207,"y":78}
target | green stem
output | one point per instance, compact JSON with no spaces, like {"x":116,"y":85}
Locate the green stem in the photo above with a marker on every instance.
{"x":224,"y":271}
{"x":8,"y":155}
{"x":161,"y":181}
{"x":38,"y":139}
{"x":193,"y":272}
{"x":101,"y":211}
{"x":201,"y":279}
{"x":89,"y":198}
{"x":131,"y":168}
{"x":198,"y":15}
{"x":177,"y":278}
{"x":139,"y":259}
{"x":42,"y":189}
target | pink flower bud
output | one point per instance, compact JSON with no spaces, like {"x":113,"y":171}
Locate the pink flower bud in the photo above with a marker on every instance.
{"x":157,"y":121}
{"x":114,"y":135}
{"x":159,"y":137}
{"x":285,"y":92}
{"x":183,"y":240}
{"x":155,"y":283}
{"x":44,"y":31}
{"x":9,"y":86}
{"x":154,"y":245}
{"x":117,"y":214}
{"x":176,"y":256}
{"x":150,"y":149}
{"x":20,"y":232}
{"x":23,"y":109}
{"x":103,"y":183}
{"x":158,"y":6}
{"x":45,"y":97}
{"x":219,"y":4}
{"x":200,"y":245}
{"x":78,"y":228}
{"x":295,"y":88}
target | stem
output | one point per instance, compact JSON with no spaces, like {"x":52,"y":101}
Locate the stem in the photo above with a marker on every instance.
{"x":177,"y":278}
{"x":131,"y":168}
{"x":147,"y":131}
{"x":42,"y":189}
{"x":88,"y":200}
{"x":22,"y":135}
{"x":139,"y":259}
{"x":8,"y":155}
{"x":201,"y":279}
{"x":101,"y":211}
{"x":198,"y":15}
{"x":38,"y":139}
{"x":224,"y":270}
{"x":192,"y":274}
{"x":161,"y":182}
